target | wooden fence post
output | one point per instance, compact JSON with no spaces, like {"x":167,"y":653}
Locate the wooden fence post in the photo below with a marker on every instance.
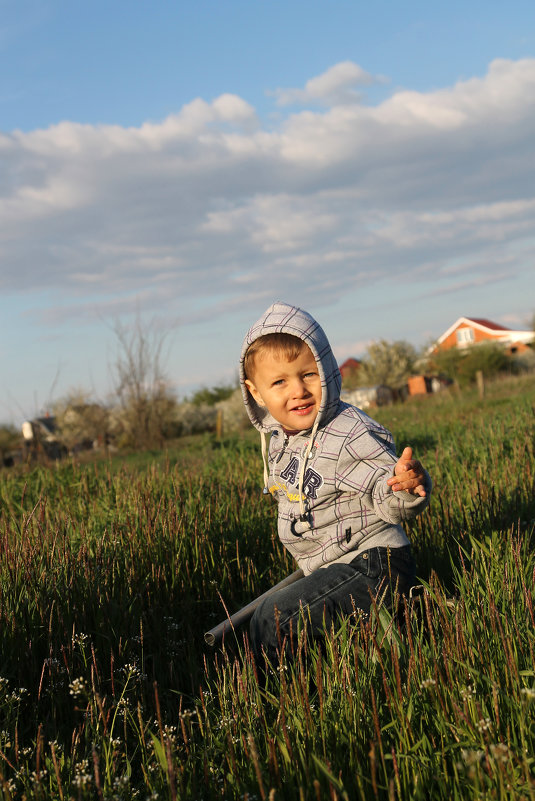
{"x":219,"y":424}
{"x":480,"y":383}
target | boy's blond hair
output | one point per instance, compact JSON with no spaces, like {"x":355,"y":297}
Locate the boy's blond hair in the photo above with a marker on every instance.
{"x":284,"y":345}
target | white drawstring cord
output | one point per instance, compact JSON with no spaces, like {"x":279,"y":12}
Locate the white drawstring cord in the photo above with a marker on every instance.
{"x":264,"y":461}
{"x":309,"y":447}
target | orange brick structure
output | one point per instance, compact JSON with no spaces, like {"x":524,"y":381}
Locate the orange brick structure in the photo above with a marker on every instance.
{"x":418,"y":385}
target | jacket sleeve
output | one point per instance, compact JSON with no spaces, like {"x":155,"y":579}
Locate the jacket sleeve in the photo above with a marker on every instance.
{"x":367,"y":459}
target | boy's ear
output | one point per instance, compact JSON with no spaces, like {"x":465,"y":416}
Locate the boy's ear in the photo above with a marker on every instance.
{"x":254,"y":392}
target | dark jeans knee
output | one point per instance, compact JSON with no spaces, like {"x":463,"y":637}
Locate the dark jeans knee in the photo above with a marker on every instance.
{"x":327,"y":595}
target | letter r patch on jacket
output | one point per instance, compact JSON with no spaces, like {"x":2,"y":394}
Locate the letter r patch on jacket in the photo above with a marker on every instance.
{"x":311,"y":482}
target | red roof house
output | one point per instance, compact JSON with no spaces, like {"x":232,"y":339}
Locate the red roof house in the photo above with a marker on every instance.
{"x":349,"y":367}
{"x":467,"y":331}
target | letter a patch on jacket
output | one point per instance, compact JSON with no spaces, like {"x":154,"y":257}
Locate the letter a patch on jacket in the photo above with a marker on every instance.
{"x":312,"y":481}
{"x":290,"y":471}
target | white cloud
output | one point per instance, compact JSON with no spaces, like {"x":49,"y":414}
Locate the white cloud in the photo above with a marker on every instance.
{"x":211,"y":201}
{"x":353,"y":349}
{"x":335,"y":86}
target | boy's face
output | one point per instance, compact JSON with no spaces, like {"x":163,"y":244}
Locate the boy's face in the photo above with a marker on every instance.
{"x":291,"y":391}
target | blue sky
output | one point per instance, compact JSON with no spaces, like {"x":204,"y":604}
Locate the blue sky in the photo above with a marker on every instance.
{"x":193,"y":162}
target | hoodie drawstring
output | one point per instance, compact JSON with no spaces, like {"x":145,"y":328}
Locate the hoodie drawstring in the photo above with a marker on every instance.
{"x":302,"y":507}
{"x":263,"y":442}
{"x":310,"y":445}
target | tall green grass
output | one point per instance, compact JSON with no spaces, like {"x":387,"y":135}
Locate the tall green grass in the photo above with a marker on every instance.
{"x":111,"y":572}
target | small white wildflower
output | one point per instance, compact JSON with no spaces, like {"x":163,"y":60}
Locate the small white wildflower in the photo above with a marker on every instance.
{"x":426,"y":683}
{"x":82,"y":780}
{"x":57,"y":746}
{"x":123,"y":707}
{"x":18,"y":695}
{"x":131,"y":670}
{"x":170,"y":729}
{"x":500,"y":752}
{"x":80,"y":639}
{"x":77,"y":687}
{"x":467,"y":693}
{"x":470,"y":757}
{"x":528,"y":693}
{"x":36,"y":778}
{"x":484,"y":724}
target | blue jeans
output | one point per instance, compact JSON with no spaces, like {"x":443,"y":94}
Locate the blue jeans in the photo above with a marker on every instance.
{"x":327,"y":596}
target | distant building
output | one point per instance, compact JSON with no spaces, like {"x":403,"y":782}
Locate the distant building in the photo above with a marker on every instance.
{"x":468,"y":331}
{"x":40,"y":437}
{"x":366,"y":397}
{"x":349,"y":367}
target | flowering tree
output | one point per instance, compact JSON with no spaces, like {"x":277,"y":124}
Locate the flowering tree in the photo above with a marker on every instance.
{"x":388,"y":363}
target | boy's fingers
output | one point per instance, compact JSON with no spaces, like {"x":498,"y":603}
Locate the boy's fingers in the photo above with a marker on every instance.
{"x":405,"y":461}
{"x":406,"y":456}
{"x":409,"y":482}
{"x":419,"y":490}
{"x":408,"y":474}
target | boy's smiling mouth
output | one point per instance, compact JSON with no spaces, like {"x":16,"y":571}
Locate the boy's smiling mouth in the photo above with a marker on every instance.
{"x":305,"y":407}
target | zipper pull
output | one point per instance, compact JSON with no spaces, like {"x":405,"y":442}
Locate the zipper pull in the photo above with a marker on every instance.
{"x":284,"y":444}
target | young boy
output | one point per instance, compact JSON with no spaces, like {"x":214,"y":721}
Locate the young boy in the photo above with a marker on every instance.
{"x":342,"y":493}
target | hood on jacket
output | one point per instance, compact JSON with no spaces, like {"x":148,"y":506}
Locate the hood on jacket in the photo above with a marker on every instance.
{"x":282,"y":318}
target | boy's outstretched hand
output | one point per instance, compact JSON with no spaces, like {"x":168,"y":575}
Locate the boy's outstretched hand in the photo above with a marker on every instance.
{"x":409,"y":475}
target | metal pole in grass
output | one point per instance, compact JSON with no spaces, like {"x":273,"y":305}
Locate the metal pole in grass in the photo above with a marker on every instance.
{"x":215,"y":635}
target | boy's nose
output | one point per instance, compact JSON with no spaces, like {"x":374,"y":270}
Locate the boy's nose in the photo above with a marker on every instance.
{"x":300,"y":389}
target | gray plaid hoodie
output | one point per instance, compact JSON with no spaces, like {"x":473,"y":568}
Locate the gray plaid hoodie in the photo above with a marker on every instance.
{"x":329,"y":481}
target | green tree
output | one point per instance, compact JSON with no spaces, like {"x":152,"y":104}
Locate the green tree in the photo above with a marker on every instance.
{"x":9,"y":440}
{"x":79,"y":420}
{"x":446,"y":363}
{"x":463,"y":365}
{"x":212,"y":395}
{"x":490,"y":358}
{"x":388,"y":363}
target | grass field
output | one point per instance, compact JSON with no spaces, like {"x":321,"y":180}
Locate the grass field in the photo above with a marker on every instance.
{"x":110,"y":572}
